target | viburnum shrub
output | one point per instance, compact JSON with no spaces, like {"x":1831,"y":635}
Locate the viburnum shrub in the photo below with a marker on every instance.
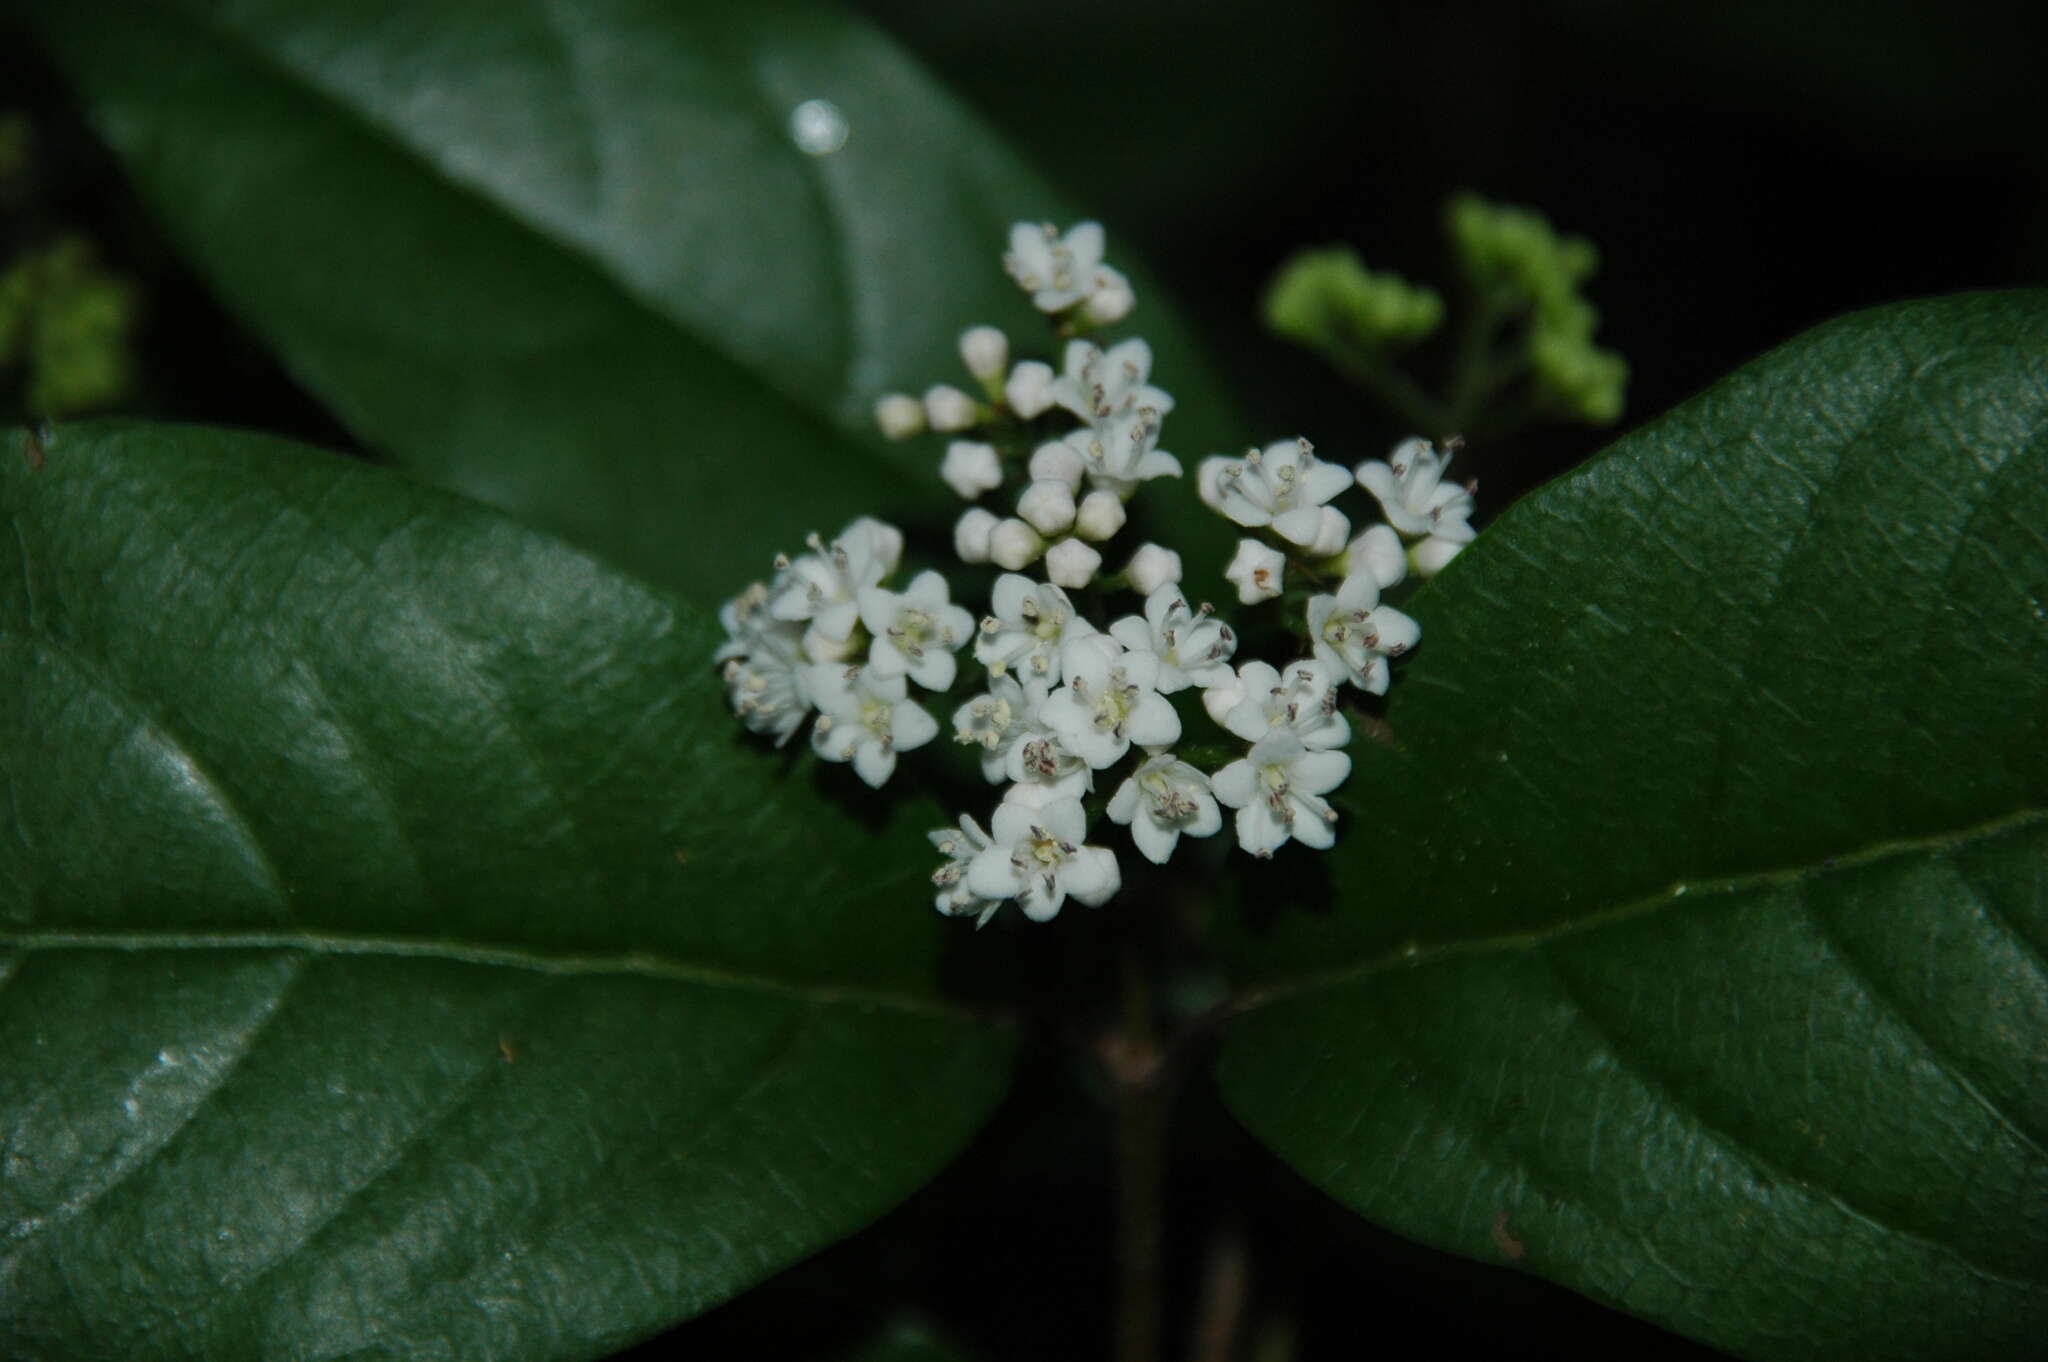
{"x":470,"y":896}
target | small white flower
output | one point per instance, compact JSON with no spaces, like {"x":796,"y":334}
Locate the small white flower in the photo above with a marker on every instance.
{"x":1056,"y":459}
{"x":1047,"y":506}
{"x":821,"y":586}
{"x":1412,"y":491}
{"x":995,"y":720}
{"x":1284,"y":486}
{"x":1101,"y":384}
{"x":1355,"y":634}
{"x":1257,"y":570}
{"x":986,"y":352}
{"x":1193,"y":646}
{"x":1029,"y":391}
{"x":1036,"y":858}
{"x":1108,"y":703}
{"x":899,"y":415}
{"x":865,"y":719}
{"x":1012,"y":544}
{"x":948,"y":409}
{"x":1100,"y":516}
{"x":960,"y":845}
{"x":1042,"y":767}
{"x":1277,"y":790}
{"x":1164,"y":798}
{"x":971,"y":534}
{"x":1016,"y":745}
{"x":971,"y":468}
{"x":1331,"y":532}
{"x":1121,"y":452}
{"x":1301,"y":700}
{"x":759,"y":661}
{"x":1029,"y":624}
{"x":1152,"y":567}
{"x":1435,"y":553}
{"x":1071,"y":563}
{"x":1058,"y":271}
{"x":917,"y":632}
{"x":1379,"y":554}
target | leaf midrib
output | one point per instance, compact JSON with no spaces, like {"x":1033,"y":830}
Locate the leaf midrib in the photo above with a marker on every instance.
{"x":635,"y":964}
{"x":1703,"y":890}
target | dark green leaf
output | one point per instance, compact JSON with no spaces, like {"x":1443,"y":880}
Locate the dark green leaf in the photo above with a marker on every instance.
{"x":1698,"y":923}
{"x":403,"y":953}
{"x":566,"y":258}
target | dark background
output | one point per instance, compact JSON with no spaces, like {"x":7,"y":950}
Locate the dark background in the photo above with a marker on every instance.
{"x":1747,"y":169}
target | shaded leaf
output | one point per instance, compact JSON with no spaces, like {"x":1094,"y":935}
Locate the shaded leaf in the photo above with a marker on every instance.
{"x":403,"y":953}
{"x":1694,"y":940}
{"x":567,"y":259}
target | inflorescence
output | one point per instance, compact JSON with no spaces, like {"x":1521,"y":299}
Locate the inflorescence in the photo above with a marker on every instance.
{"x":1069,"y":709}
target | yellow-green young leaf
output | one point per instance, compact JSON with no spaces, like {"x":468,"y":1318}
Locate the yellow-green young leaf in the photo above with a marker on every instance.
{"x":570,"y":260}
{"x":402,"y":953}
{"x":1691,"y":944}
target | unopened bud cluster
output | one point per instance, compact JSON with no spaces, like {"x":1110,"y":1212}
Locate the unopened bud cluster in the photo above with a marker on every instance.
{"x":1077,"y":709}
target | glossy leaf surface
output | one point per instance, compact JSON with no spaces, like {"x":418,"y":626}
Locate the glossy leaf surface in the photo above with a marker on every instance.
{"x":1692,"y":939}
{"x":403,"y":952}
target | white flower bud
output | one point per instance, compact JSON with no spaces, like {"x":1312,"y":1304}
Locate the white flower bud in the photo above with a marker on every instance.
{"x":1378,"y":554}
{"x":1257,"y":570}
{"x":1014,"y":545}
{"x":1071,"y":563}
{"x":1101,"y":515}
{"x":1111,"y":302}
{"x":1029,"y":391}
{"x":1433,"y":555}
{"x":899,"y":415}
{"x":1151,"y":568}
{"x":986,"y":352}
{"x":971,"y":469}
{"x":949,"y":409}
{"x":1331,"y":532}
{"x":971,"y":533}
{"x":1057,"y":459}
{"x":1048,"y":504}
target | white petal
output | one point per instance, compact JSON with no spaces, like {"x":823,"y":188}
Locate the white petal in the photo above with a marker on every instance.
{"x":874,"y":763}
{"x":1236,"y":784}
{"x":1099,"y":747}
{"x":1041,"y":896}
{"x":836,"y":621}
{"x":1124,"y":803}
{"x":1258,"y":831}
{"x":1321,"y":481}
{"x":1091,"y":875}
{"x":1398,"y":632}
{"x":936,"y":670}
{"x":1156,"y":842}
{"x":1319,"y":773}
{"x":1153,"y":723}
{"x":1311,"y":829}
{"x":990,"y":875}
{"x":1007,"y":599}
{"x":1133,"y":633}
{"x":910,"y":725}
{"x":1206,"y":821}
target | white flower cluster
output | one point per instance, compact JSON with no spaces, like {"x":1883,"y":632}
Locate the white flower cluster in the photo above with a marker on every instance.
{"x":1077,"y":698}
